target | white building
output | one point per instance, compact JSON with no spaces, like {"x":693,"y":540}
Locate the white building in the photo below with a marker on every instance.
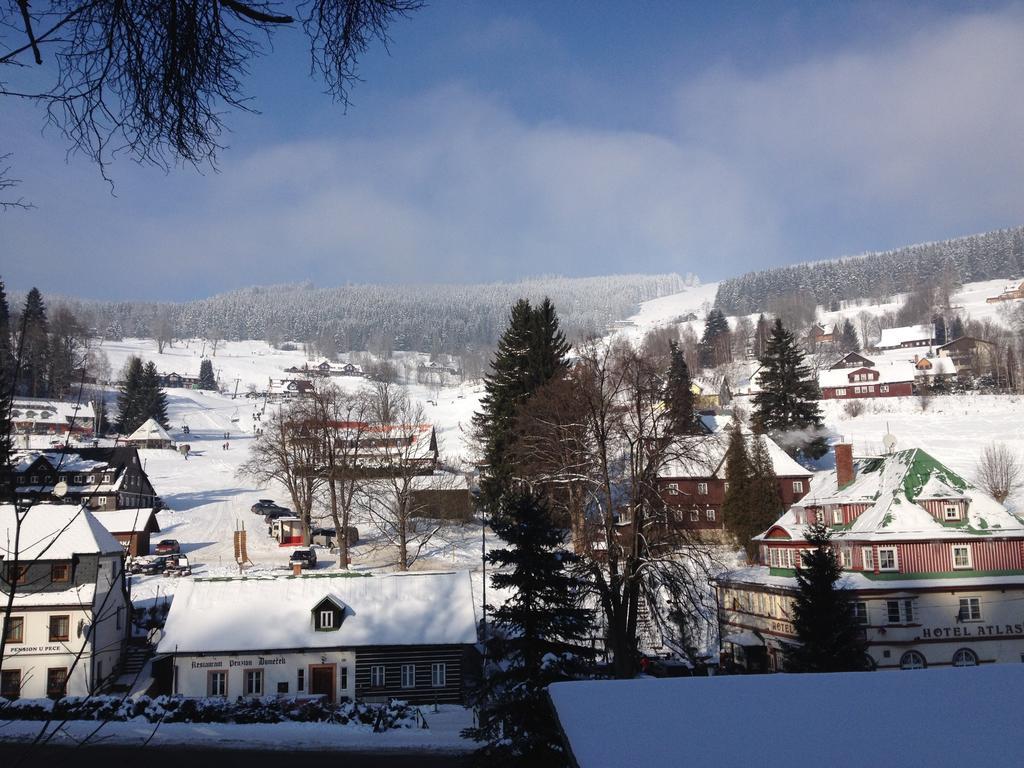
{"x":333,"y":635}
{"x":68,"y":627}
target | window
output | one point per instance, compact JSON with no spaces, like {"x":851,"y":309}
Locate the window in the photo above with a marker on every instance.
{"x":773,"y":557}
{"x":846,"y":557}
{"x":970,"y":609}
{"x":14,"y":629}
{"x":837,"y":515}
{"x":254,"y":682}
{"x":300,"y":680}
{"x":344,"y":678}
{"x":694,"y":515}
{"x":217,"y":683}
{"x":710,"y":514}
{"x":900,"y":611}
{"x":798,"y":486}
{"x":673,"y":489}
{"x":60,"y":572}
{"x":867,"y":558}
{"x":377,"y":676}
{"x":282,"y":687}
{"x":679,"y":515}
{"x":408,"y":675}
{"x":883,"y":388}
{"x":17,"y":574}
{"x":965,"y":657}
{"x":912,"y":660}
{"x":59,"y":627}
{"x":887,"y":559}
{"x":56,"y":682}
{"x":951,"y":512}
{"x":79,"y":479}
{"x":438,"y":675}
{"x":860,"y":612}
{"x":961,"y":556}
{"x":10,"y":684}
{"x":702,"y":489}
{"x":841,"y":392}
{"x":327,"y":619}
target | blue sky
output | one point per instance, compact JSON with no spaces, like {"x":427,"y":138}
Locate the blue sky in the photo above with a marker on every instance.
{"x":502,"y":140}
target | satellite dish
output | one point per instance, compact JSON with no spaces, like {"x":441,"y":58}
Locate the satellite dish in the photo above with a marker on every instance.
{"x":889,"y":441}
{"x":60,"y":490}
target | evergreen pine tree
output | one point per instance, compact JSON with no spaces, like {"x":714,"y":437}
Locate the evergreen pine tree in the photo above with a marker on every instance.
{"x":786,"y":408}
{"x":6,"y":381}
{"x":34,"y":347}
{"x":715,"y":348}
{"x":530,"y":352}
{"x":762,"y":330}
{"x":738,"y":495}
{"x":956,"y":329}
{"x":939,"y":323}
{"x":765,"y":504}
{"x":829,"y":637}
{"x":129,"y":399}
{"x":848,"y":341}
{"x":539,"y":635}
{"x":206,"y":377}
{"x":153,"y":401}
{"x":679,"y":394}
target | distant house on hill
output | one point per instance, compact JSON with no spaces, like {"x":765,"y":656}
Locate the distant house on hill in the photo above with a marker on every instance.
{"x":37,"y":416}
{"x":852,"y":360}
{"x":711,"y":392}
{"x":971,"y":355}
{"x":150,"y":435}
{"x":820,"y":334}
{"x":870,"y":379}
{"x":175,"y":380}
{"x":1009,"y":293}
{"x":907,"y":337}
{"x":327,"y":368}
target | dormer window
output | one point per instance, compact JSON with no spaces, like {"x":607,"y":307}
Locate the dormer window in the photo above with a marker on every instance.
{"x":950,"y":512}
{"x":328,"y":615}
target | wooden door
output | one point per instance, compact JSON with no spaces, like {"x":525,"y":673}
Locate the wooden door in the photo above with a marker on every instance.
{"x":321,"y":681}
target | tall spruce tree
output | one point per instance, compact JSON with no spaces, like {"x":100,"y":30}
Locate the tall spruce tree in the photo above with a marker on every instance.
{"x":530,"y":352}
{"x":153,"y":401}
{"x":848,"y":341}
{"x":7,"y":374}
{"x":679,"y":393}
{"x":539,"y":637}
{"x":765,"y":503}
{"x":715,"y":347}
{"x":786,"y":407}
{"x":829,"y":637}
{"x":129,"y":399}
{"x":739,"y":475}
{"x":34,"y":347}
{"x":206,"y":377}
{"x":939,"y":324}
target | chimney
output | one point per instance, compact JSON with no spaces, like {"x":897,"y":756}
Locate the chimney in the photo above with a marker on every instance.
{"x":844,"y":464}
{"x":296,"y":569}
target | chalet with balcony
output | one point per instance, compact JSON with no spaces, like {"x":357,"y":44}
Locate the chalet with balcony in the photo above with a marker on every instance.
{"x":1010,"y":293}
{"x":935,"y":567}
{"x":885,"y":378}
{"x":35,"y":416}
{"x":68,"y":628}
{"x":852,"y":360}
{"x":102,"y":479}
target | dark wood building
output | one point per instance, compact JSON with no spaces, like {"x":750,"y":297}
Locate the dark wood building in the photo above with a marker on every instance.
{"x":131,"y":527}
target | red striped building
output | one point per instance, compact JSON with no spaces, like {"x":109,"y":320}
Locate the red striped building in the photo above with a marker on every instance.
{"x":936,"y":567}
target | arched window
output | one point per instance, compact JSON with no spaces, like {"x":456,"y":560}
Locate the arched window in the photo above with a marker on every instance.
{"x":965,"y":657}
{"x":912,"y":660}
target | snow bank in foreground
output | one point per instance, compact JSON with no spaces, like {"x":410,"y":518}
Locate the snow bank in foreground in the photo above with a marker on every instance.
{"x":849,"y":719}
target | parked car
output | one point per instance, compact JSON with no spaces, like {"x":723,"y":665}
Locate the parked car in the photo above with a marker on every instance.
{"x":177,"y":565}
{"x":148,"y":565}
{"x":168,"y":547}
{"x":305,"y":557}
{"x":275,"y":513}
{"x":261,"y":506}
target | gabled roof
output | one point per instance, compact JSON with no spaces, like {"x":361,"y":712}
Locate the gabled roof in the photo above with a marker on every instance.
{"x":129,"y":521}
{"x":895,"y":337}
{"x":891,"y":487}
{"x":150,"y":429}
{"x":853,"y":356}
{"x":54,"y":532}
{"x":889,"y":372}
{"x":263,"y":614}
{"x":704,"y":456}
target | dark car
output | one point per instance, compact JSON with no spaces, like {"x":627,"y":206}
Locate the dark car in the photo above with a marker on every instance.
{"x":305,"y":557}
{"x":148,"y":566}
{"x":276,"y":512}
{"x":168,"y":547}
{"x":261,"y":506}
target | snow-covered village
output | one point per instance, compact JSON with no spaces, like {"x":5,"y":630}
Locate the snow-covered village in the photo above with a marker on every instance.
{"x":622,"y":387}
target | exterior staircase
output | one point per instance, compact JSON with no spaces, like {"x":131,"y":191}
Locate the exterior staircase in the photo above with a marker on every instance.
{"x":137,"y":655}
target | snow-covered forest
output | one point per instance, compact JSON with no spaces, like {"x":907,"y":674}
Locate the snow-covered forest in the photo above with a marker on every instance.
{"x":439,"y":318}
{"x":998,"y":254}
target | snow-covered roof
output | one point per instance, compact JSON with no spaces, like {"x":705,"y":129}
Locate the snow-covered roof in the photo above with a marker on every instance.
{"x":128,"y":520}
{"x":150,"y":429}
{"x":895,"y":337}
{"x":704,"y":456}
{"x":891,"y":486}
{"x":666,"y":722}
{"x":66,"y":462}
{"x":42,"y":411}
{"x":889,"y":372}
{"x":938,"y":366}
{"x":439,"y":481}
{"x":253,"y":614}
{"x":54,"y":532}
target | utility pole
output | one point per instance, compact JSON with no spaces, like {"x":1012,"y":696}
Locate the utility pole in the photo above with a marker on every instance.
{"x":235,"y":395}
